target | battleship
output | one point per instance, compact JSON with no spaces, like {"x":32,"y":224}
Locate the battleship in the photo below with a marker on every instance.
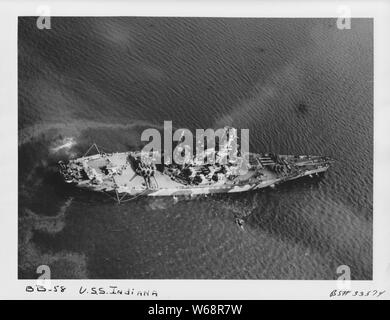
{"x":131,"y":174}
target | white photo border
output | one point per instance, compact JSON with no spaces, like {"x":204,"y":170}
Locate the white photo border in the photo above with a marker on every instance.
{"x":12,"y":288}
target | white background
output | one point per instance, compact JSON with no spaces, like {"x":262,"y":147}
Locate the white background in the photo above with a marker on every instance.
{"x":12,"y":288}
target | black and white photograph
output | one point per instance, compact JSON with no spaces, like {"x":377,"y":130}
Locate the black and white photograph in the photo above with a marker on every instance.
{"x":90,"y":206}
{"x":194,"y":150}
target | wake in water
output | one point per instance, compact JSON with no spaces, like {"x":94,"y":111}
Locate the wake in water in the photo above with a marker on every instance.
{"x":31,"y":256}
{"x":64,"y":144}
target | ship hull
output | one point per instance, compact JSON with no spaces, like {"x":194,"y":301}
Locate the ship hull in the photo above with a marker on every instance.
{"x":114,"y":174}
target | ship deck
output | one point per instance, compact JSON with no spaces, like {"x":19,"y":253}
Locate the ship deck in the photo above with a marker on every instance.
{"x":123,"y":179}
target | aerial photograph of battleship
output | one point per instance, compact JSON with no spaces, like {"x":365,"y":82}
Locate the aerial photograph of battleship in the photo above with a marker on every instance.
{"x":279,"y":186}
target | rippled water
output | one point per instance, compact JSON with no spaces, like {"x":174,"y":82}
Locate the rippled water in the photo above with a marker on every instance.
{"x":300,"y":85}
